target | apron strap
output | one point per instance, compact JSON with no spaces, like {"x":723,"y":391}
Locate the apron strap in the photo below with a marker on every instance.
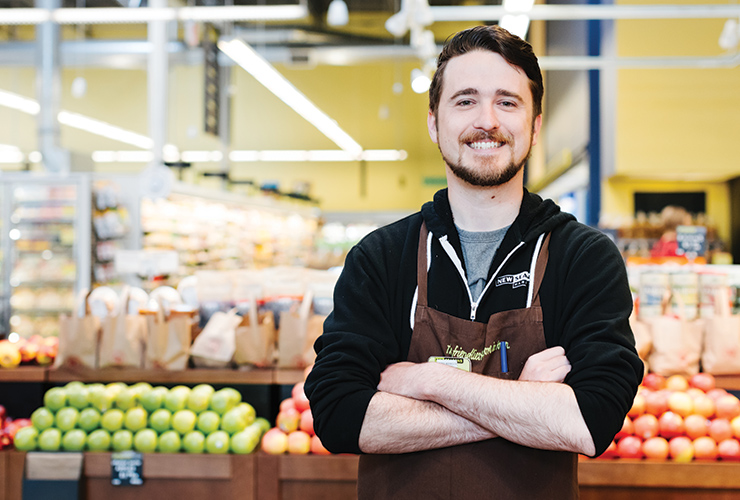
{"x":539,"y":270}
{"x":421,"y":266}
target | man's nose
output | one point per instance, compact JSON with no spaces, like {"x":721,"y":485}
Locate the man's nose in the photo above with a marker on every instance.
{"x":487,"y":118}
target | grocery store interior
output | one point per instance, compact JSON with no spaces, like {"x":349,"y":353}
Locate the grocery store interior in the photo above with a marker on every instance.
{"x":180,"y":182}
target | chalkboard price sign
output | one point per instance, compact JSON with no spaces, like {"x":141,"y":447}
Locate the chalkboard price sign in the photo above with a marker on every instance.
{"x":126,"y":468}
{"x":692,"y":241}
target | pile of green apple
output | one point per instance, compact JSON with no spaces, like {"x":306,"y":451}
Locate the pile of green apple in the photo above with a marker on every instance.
{"x":121,"y":417}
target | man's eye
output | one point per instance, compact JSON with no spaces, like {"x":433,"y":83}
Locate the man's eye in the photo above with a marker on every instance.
{"x":465,"y":102}
{"x":508,"y":104}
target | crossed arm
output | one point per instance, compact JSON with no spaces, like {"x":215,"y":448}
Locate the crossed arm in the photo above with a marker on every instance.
{"x":422,"y":406}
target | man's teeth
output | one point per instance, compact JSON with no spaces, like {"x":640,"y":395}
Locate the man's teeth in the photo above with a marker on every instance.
{"x":485,"y":145}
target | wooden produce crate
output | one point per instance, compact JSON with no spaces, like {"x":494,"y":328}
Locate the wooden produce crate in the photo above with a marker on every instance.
{"x":306,"y":477}
{"x":12,"y":463}
{"x":175,"y":476}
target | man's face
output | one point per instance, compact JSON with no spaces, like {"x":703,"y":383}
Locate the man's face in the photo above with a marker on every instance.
{"x":484,"y":126}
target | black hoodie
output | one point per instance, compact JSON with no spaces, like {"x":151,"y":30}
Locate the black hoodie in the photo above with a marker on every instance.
{"x":585,"y":299}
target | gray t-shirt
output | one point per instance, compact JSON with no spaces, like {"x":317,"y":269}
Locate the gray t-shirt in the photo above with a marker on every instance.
{"x":478,"y":251}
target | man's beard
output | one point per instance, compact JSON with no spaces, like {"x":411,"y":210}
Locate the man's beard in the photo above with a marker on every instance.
{"x":486,"y":175}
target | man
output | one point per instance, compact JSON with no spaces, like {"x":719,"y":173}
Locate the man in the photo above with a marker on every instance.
{"x":528,"y":306}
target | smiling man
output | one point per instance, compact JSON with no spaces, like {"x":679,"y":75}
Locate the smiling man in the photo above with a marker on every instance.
{"x":477,"y":346}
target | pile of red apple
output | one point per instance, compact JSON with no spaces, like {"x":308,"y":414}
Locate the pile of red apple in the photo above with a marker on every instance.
{"x":293,"y":432}
{"x":36,"y":350}
{"x":8,"y":428}
{"x":681,"y":419}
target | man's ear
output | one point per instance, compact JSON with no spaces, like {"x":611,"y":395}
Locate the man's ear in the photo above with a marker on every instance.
{"x":432,"y":126}
{"x":536,"y":126}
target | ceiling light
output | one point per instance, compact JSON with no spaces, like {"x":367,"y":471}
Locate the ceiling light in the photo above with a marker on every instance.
{"x":104,"y":129}
{"x":338,"y":14}
{"x":730,"y":36}
{"x":516,"y":24}
{"x":15,"y":101}
{"x":518,"y":5}
{"x":246,"y":57}
{"x":420,"y":82}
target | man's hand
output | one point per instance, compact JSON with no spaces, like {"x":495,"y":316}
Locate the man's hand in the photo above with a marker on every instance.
{"x":550,"y":365}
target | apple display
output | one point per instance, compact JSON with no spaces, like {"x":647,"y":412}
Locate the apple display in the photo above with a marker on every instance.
{"x":655,"y":448}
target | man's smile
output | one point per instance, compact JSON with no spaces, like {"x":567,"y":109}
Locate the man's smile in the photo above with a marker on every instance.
{"x":486,"y":144}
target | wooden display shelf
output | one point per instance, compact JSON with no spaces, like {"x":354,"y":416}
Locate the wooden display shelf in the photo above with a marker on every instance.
{"x":23,"y":374}
{"x":306,"y":477}
{"x":729,"y":382}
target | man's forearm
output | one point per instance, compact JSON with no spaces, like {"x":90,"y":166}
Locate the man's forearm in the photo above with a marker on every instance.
{"x":397,"y":424}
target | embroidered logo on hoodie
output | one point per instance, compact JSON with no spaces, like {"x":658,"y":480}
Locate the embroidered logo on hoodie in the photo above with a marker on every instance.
{"x":515,"y":280}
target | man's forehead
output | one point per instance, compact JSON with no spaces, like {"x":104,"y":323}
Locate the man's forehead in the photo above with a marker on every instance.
{"x":481,"y":70}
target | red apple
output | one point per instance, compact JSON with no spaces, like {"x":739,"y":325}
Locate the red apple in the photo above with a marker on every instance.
{"x":306,"y":423}
{"x":681,"y":449}
{"x":638,"y":406}
{"x":696,"y":426}
{"x":705,"y":448}
{"x":299,"y":397}
{"x":694,"y":392}
{"x":3,"y":414}
{"x":681,"y":403}
{"x":704,"y":406}
{"x":654,"y":381}
{"x":287,"y":403}
{"x":646,"y":426}
{"x":611,"y":451}
{"x":630,"y":447}
{"x":288,"y":420}
{"x":628,"y":429}
{"x":717,"y":393}
{"x":735,"y":423}
{"x":655,"y":448}
{"x":656,"y":402}
{"x":46,"y":354}
{"x":703,"y":381}
{"x":720,"y":429}
{"x":317,"y":448}
{"x":729,"y":449}
{"x":299,"y":443}
{"x":676,"y":383}
{"x":727,"y":406}
{"x":670,"y":425}
{"x":28,"y":351}
{"x":275,"y":442}
{"x":306,"y":371}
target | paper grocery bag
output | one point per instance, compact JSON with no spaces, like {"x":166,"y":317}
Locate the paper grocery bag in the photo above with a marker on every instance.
{"x":314,"y":329}
{"x":643,"y":339}
{"x":292,"y":334}
{"x":122,"y":337}
{"x":214,"y":347}
{"x":78,"y":336}
{"x":721,"y":353}
{"x":677,"y":342}
{"x":167,"y":341}
{"x":255,"y":338}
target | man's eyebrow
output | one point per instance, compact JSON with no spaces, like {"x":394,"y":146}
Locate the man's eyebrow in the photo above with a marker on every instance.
{"x":467,"y":91}
{"x":508,"y":93}
{"x":474,"y":91}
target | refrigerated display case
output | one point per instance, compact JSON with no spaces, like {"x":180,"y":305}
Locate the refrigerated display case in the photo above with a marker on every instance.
{"x":45,"y":243}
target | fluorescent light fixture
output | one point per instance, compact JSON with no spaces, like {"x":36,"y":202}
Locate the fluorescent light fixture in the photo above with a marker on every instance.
{"x":104,"y":129}
{"x":122,"y":156}
{"x":201,"y":156}
{"x":120,"y":15}
{"x":384,"y":155}
{"x":518,"y":5}
{"x":516,"y":24}
{"x":15,"y":101}
{"x":10,"y":154}
{"x":296,"y":155}
{"x":267,"y":75}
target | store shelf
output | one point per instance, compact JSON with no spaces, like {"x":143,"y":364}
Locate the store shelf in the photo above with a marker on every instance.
{"x":23,"y":374}
{"x":729,"y":382}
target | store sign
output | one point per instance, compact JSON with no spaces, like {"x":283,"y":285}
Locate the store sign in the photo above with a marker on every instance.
{"x":126,"y":468}
{"x":212,"y":83}
{"x":692,"y":241}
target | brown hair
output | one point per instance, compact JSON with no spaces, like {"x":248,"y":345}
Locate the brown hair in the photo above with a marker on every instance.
{"x":513,"y":49}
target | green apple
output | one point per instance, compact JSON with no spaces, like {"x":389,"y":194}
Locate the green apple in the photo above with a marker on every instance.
{"x":26,"y":438}
{"x":78,"y":397}
{"x":122,"y":440}
{"x":263,"y":424}
{"x":114,"y":388}
{"x":50,"y":439}
{"x":247,"y":411}
{"x":145,"y":441}
{"x":217,"y":442}
{"x":89,"y":419}
{"x":98,"y":440}
{"x":169,"y":442}
{"x":66,"y":418}
{"x":194,"y":442}
{"x":112,"y":420}
{"x":160,"y":420}
{"x":224,"y":399}
{"x":204,"y":387}
{"x":74,"y":383}
{"x":141,"y":387}
{"x":55,"y":398}
{"x":153,"y":399}
{"x":101,"y":398}
{"x":74,"y":440}
{"x":233,"y":421}
{"x":135,"y":418}
{"x":184,"y":421}
{"x":208,"y":421}
{"x":176,"y":398}
{"x":126,"y":399}
{"x":42,"y":418}
{"x":198,"y":401}
{"x":244,"y":442}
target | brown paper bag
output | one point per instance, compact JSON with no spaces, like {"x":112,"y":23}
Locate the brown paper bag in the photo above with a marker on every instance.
{"x":676,"y":342}
{"x":292,"y":334}
{"x":721,"y":353}
{"x":314,"y":329}
{"x":122,"y":337}
{"x":255,"y":338}
{"x":79,"y":336}
{"x":167,"y":341}
{"x":214,"y":346}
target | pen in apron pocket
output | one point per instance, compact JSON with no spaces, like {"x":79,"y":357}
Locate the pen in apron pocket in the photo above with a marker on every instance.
{"x":504,"y":357}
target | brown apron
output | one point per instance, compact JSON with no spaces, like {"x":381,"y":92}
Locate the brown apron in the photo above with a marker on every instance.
{"x":495,"y":468}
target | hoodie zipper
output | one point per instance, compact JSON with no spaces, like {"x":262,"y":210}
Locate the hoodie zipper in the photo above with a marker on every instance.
{"x":458,"y":265}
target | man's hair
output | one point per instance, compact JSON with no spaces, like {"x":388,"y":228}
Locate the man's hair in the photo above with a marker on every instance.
{"x":513,"y":49}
